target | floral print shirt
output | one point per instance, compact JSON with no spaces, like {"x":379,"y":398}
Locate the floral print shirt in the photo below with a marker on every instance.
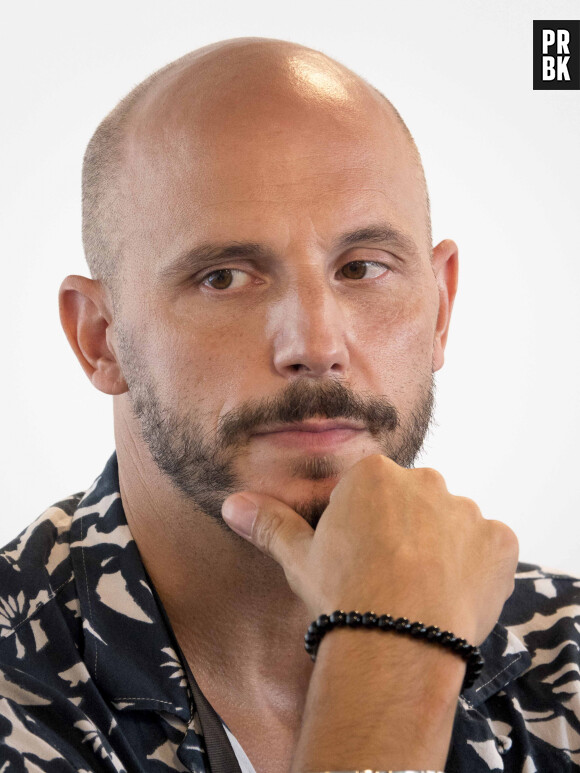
{"x":91,"y":679}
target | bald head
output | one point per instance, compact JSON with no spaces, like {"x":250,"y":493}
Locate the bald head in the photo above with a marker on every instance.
{"x":234,"y":95}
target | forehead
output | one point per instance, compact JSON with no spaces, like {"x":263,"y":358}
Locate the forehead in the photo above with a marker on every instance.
{"x":265,"y":161}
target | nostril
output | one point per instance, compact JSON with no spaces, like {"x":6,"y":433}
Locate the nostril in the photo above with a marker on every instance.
{"x":298,"y":367}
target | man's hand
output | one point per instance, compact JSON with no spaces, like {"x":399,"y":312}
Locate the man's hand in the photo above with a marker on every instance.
{"x":394,"y":541}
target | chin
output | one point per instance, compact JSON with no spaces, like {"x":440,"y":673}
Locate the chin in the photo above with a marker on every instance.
{"x":311,"y":509}
{"x":317,"y":468}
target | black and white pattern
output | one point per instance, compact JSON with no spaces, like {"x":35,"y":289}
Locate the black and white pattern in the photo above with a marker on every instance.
{"x":90,"y":679}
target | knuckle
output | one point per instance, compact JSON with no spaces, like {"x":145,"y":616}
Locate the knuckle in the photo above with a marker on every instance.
{"x":373,"y":462}
{"x":431,"y":477}
{"x":506,"y":537}
{"x":503,"y":544}
{"x":468,"y":506}
{"x":376,"y":465}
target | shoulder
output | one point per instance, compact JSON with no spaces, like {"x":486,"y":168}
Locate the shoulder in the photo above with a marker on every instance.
{"x":541,"y":598}
{"x":535,"y":572}
{"x":543,"y":618}
{"x":35,"y":567}
{"x":543,"y":613}
{"x":524,"y":713}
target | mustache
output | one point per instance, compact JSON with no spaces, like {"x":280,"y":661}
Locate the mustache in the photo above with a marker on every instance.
{"x":304,"y":399}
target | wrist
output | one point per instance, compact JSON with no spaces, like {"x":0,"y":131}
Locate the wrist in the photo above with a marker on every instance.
{"x":402,"y":694}
{"x":385,"y":623}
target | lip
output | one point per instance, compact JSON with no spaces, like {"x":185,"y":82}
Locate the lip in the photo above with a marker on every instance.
{"x":316,"y":426}
{"x":311,"y":435}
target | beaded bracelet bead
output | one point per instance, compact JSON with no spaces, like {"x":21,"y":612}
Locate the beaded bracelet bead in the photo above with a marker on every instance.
{"x":338,"y":619}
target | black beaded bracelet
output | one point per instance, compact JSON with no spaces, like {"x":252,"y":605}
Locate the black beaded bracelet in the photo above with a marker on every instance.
{"x":338,"y":619}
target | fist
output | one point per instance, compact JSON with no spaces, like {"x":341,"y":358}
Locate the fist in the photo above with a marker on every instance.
{"x":392,"y":540}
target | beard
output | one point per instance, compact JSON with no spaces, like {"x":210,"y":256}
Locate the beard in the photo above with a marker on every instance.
{"x":202,"y":465}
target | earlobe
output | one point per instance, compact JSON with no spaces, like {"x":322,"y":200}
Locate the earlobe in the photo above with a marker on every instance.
{"x":85,"y":317}
{"x":445,"y":267}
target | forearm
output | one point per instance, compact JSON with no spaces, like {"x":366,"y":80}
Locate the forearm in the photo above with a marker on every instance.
{"x":378,"y":701}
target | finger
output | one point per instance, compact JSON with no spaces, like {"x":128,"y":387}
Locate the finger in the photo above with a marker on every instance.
{"x":271,"y":525}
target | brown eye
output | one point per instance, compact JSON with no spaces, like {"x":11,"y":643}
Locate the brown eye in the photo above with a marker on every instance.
{"x":356,"y":269}
{"x":220,"y":280}
{"x":364,"y":269}
{"x":227,"y":279}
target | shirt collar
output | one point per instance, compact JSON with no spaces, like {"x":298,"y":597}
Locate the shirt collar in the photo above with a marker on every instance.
{"x":129,"y":650}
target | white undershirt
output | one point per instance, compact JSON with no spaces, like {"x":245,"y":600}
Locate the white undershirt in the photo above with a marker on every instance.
{"x":245,"y":764}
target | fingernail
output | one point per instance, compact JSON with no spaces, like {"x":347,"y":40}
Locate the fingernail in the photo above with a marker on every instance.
{"x":239,"y":513}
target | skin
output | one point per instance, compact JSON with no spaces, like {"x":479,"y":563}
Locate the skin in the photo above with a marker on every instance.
{"x":269,"y":143}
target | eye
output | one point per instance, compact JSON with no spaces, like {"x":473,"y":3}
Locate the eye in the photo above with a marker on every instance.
{"x":226,"y":279}
{"x":363,"y":269}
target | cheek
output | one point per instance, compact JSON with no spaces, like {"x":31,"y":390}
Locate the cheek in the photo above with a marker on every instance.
{"x":393,"y":348}
{"x":203,"y":359}
{"x":399,"y":328}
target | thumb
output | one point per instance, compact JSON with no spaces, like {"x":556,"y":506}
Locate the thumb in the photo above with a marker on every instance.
{"x":271,"y":525}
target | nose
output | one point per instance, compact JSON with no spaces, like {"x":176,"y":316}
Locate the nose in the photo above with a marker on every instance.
{"x":309,"y":331}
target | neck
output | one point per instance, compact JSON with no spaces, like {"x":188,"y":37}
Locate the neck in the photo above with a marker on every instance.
{"x":238,"y":623}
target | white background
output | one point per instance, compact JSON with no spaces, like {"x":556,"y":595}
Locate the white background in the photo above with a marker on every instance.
{"x":502,"y":162}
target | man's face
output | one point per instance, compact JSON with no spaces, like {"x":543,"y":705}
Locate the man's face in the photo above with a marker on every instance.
{"x":278,"y":305}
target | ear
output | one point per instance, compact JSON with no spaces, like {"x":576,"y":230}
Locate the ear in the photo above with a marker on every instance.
{"x":445,"y":268}
{"x":85,"y":316}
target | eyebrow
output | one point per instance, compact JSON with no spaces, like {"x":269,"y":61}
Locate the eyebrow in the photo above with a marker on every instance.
{"x":206,"y":255}
{"x":375,"y":234}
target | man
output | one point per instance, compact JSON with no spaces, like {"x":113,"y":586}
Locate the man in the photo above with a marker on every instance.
{"x":267,"y":310}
